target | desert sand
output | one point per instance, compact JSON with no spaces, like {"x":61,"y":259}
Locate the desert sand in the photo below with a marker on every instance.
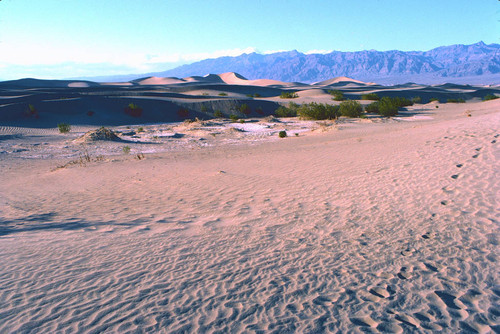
{"x":370,"y":225}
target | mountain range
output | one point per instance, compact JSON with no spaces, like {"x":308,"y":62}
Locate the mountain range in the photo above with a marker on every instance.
{"x":477,"y":63}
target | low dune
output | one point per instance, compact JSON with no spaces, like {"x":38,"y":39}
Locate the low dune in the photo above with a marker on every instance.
{"x":383,"y":225}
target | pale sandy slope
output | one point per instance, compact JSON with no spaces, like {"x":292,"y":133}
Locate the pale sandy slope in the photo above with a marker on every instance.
{"x":380,"y":228}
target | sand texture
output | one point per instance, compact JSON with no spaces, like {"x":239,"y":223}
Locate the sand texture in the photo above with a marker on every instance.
{"x":373,"y":225}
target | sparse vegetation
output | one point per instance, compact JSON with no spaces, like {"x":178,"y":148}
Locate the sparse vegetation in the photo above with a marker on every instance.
{"x":455,"y":100}
{"x":31,"y":111}
{"x":126,"y":149}
{"x":282,"y":134}
{"x":434,"y":99}
{"x":233,"y":117}
{"x":218,"y":114}
{"x":64,"y":127}
{"x":256,"y":95}
{"x":370,"y":96}
{"x":133,"y":110}
{"x":140,"y":129}
{"x":222,"y":94}
{"x":245,"y":109}
{"x":490,"y":97}
{"x":372,"y":107}
{"x":350,"y":108}
{"x":337,"y":95}
{"x":387,"y":107}
{"x":290,"y":111}
{"x":416,"y":100}
{"x":318,"y":111}
{"x":289,"y":95}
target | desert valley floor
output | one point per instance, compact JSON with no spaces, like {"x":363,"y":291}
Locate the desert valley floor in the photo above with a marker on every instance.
{"x":377,"y":225}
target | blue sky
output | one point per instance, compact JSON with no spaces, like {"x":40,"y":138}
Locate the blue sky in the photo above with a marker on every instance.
{"x":75,"y":38}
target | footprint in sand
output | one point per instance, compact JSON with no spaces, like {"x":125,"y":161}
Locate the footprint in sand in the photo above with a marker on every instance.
{"x":429,"y":235}
{"x":379,"y":292}
{"x":408,"y":251}
{"x":405,"y":273}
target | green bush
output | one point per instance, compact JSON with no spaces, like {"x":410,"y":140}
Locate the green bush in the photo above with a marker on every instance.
{"x":290,"y":111}
{"x":282,"y":134}
{"x":387,"y":107}
{"x":402,"y":101}
{"x":126,"y":149}
{"x":318,"y":111}
{"x":490,"y":97}
{"x":455,"y":101}
{"x":337,"y":95}
{"x":233,"y":117}
{"x":350,"y":108}
{"x":218,"y":114}
{"x":256,"y":95}
{"x":140,"y":129}
{"x":370,"y":96}
{"x":416,"y":99}
{"x":289,"y":95}
{"x":245,"y":109}
{"x":133,"y":110}
{"x":372,"y":107}
{"x":222,"y":94}
{"x":64,"y":127}
{"x":434,"y":99}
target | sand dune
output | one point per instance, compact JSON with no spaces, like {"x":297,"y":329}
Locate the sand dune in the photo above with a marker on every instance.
{"x":369,"y":225}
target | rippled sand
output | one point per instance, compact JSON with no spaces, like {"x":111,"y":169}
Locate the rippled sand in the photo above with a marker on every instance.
{"x":376,"y":228}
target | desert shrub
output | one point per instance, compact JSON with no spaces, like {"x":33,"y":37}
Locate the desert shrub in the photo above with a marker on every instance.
{"x":387,"y":107}
{"x":318,"y":111}
{"x":183,"y":113}
{"x":64,"y":127}
{"x":350,"y":108}
{"x":256,"y":95}
{"x":259,"y":110}
{"x":337,"y":95}
{"x":204,"y":94}
{"x":233,"y":117}
{"x":455,"y":101}
{"x":416,"y":99}
{"x":222,"y":94}
{"x":282,"y":134}
{"x":434,"y":99}
{"x":218,"y":114}
{"x":290,"y":111}
{"x":402,"y":101}
{"x":372,"y":107}
{"x":249,"y":95}
{"x":133,"y":110}
{"x":140,"y":129}
{"x":370,"y":96}
{"x":31,"y":111}
{"x":289,"y":95}
{"x":490,"y":97}
{"x":242,"y":121}
{"x":245,"y":109}
{"x":126,"y":149}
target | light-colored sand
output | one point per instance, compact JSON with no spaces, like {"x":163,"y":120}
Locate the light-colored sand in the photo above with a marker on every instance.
{"x":386,"y":227}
